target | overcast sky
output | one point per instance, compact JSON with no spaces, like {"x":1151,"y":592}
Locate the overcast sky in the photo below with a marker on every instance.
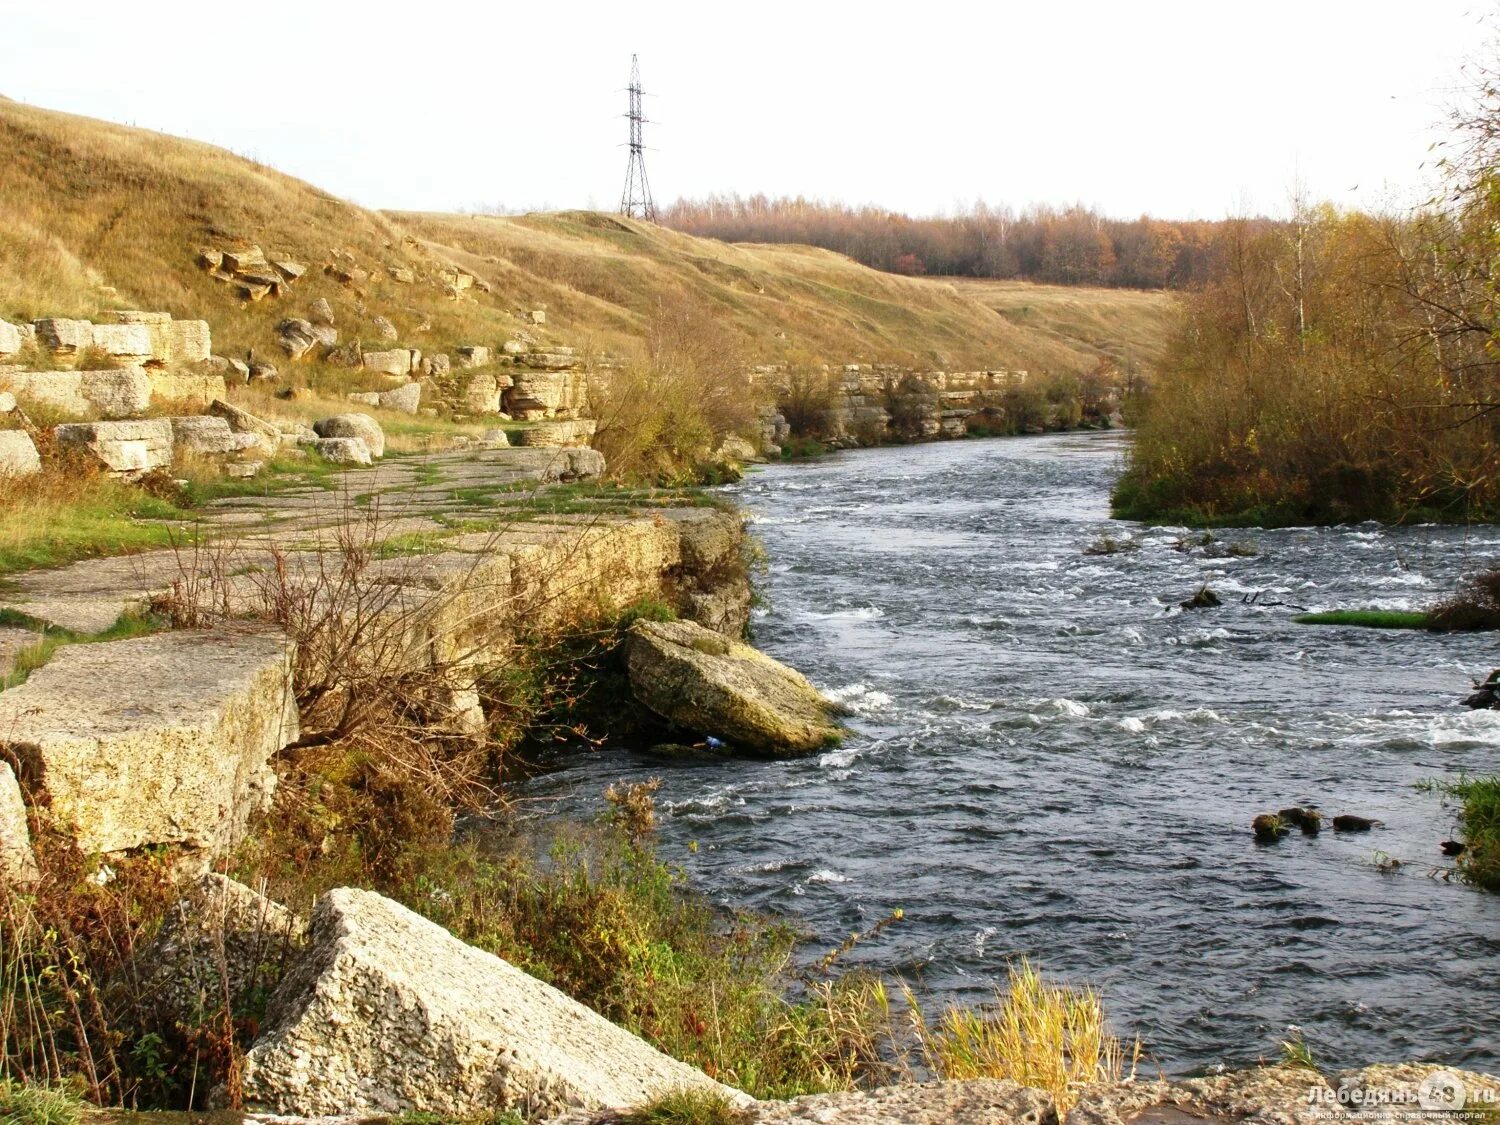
{"x":1176,"y":109}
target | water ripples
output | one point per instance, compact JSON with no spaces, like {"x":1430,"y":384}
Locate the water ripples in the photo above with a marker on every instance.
{"x":1051,"y":758}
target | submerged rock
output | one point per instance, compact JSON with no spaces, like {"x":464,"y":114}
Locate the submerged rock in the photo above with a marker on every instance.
{"x":388,"y":1013}
{"x":1310,"y":821}
{"x":1353,"y":824}
{"x":1487,"y":694}
{"x":1268,"y":828}
{"x":1203,"y":599}
{"x":700,"y":681}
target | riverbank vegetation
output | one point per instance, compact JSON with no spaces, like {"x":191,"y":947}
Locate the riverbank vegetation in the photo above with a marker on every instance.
{"x":378,"y":792}
{"x":1337,"y":367}
{"x":1479,"y":820}
{"x":1474,"y":607}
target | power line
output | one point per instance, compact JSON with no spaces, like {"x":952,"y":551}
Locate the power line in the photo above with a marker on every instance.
{"x":636,"y":200}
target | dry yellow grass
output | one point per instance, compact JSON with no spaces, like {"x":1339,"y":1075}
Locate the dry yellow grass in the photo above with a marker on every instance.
{"x":1128,"y":326}
{"x":95,"y":216}
{"x":1050,"y":1037}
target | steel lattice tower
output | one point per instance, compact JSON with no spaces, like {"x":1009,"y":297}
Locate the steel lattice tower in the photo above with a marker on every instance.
{"x":636,"y":200}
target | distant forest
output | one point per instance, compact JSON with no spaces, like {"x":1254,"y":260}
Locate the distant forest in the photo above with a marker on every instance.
{"x":1068,"y":246}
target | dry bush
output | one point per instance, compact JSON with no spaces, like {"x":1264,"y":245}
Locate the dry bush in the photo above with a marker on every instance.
{"x":1475,"y":607}
{"x":659,"y":419}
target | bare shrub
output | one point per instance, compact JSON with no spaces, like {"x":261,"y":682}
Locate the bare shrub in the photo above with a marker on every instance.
{"x":1475,"y":607}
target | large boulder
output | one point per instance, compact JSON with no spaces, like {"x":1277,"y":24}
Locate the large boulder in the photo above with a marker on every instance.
{"x":471,"y":355}
{"x":395,"y":361}
{"x":388,"y":1013}
{"x":18,"y":455}
{"x":360,"y":426}
{"x":482,"y":394}
{"x":346,"y":451}
{"x":537,"y":394}
{"x":127,"y":448}
{"x":296,"y":337}
{"x":405,"y":399}
{"x":700,"y":681}
{"x":160,"y":740}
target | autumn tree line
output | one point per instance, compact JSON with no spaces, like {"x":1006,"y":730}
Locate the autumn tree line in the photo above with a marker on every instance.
{"x":1339,"y":366}
{"x":1068,"y":246}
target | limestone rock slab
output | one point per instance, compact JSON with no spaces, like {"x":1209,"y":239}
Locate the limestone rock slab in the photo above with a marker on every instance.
{"x":166,"y":739}
{"x":708,"y":684}
{"x":18,"y":455}
{"x":128,"y":448}
{"x":11,"y":340}
{"x":268,"y":437}
{"x":388,"y":1012}
{"x":17,"y":860}
{"x":220,"y":937}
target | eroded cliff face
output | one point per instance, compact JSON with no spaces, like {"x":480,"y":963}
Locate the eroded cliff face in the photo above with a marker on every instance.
{"x":877,"y":404}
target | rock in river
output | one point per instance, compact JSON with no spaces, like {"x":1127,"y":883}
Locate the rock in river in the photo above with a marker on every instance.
{"x":701,"y":682}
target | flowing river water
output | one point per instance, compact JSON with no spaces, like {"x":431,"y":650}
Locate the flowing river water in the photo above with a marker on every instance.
{"x":1049,"y":758}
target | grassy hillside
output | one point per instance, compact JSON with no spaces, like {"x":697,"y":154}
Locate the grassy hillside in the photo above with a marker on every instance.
{"x":95,"y":216}
{"x":1128,"y":326}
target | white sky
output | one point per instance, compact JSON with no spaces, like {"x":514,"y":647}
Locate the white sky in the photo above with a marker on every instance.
{"x":1177,"y":109}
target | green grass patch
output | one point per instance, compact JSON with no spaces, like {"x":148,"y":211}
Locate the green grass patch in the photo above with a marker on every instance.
{"x":1367,"y":618}
{"x":113,"y":519}
{"x":1479,"y":820}
{"x":21,"y":1104}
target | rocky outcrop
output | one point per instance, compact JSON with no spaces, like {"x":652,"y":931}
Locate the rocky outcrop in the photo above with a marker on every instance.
{"x":559,"y":435}
{"x":126,"y":448}
{"x":702,"y":682}
{"x":160,"y":740}
{"x":360,"y":426}
{"x":250,"y":274}
{"x":389,"y":1013}
{"x":18,"y":455}
{"x":535,"y":395}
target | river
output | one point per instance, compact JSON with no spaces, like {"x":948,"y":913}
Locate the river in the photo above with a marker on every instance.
{"x":1051,"y":759}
